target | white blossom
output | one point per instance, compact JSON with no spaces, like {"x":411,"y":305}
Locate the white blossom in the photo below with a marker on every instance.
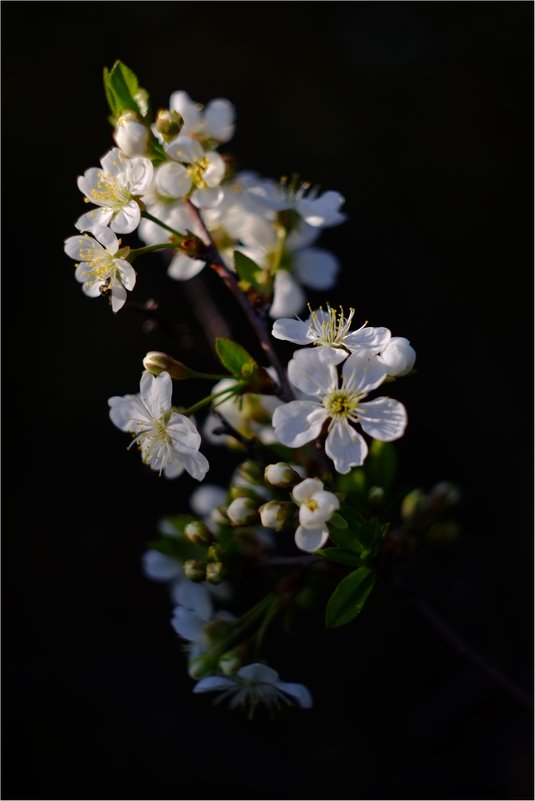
{"x":314,"y":373}
{"x":331,"y":328}
{"x":316,"y":507}
{"x":168,"y":441}
{"x":100,"y":270}
{"x":115,"y":188}
{"x":214,"y":121}
{"x":317,"y":210}
{"x":255,"y":684}
{"x":204,"y":169}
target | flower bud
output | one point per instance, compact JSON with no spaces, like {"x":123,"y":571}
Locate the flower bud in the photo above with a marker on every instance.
{"x":219,"y":516}
{"x":248,"y":472}
{"x":201,"y":665}
{"x":169,"y":124}
{"x":194,"y":570}
{"x":197,"y":532}
{"x":215,"y":572}
{"x":281,"y":475}
{"x":398,"y":357}
{"x":131,"y":135}
{"x":230,"y":662}
{"x":411,"y":504}
{"x":156,"y":363}
{"x":275,"y":514}
{"x":243,"y":511}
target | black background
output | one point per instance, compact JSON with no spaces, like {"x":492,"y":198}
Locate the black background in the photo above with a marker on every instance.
{"x":421,"y":115}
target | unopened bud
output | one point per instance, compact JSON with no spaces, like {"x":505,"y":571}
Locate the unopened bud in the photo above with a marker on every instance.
{"x":376,"y":495}
{"x":194,"y":569}
{"x":156,"y":363}
{"x":243,"y":511}
{"x":229,"y":662}
{"x":248,"y":472}
{"x":445,"y":493}
{"x":196,"y":531}
{"x":215,"y":572}
{"x":219,"y":516}
{"x":398,"y":357}
{"x":169,"y":124}
{"x":275,"y":514}
{"x":411,"y":504}
{"x":201,"y":665}
{"x":281,"y":475}
{"x":131,"y":135}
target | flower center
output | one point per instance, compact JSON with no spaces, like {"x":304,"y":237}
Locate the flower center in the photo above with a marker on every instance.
{"x":110,"y":191}
{"x":341,"y":403}
{"x":196,"y":172}
{"x":329,"y":328}
{"x":311,"y":504}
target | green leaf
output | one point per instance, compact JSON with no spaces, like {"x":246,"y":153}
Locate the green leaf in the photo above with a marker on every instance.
{"x":349,"y":597}
{"x":109,"y":94}
{"x":346,"y":537}
{"x":338,"y":521}
{"x":247,"y":269}
{"x":339,"y":555}
{"x":235,"y":358}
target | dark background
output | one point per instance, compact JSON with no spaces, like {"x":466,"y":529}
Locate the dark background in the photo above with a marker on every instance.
{"x":421,"y":115}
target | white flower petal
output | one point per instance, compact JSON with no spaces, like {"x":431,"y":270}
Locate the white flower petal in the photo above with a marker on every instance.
{"x":298,"y":422}
{"x":107,"y":238}
{"x":345,"y":447}
{"x":141,"y":174}
{"x":184,"y":149}
{"x":288,"y":297}
{"x":384,"y":418}
{"x":323,"y":210}
{"x":205,"y":499}
{"x":159,"y":567}
{"x":363,"y":371}
{"x":310,"y":539}
{"x":196,"y":464}
{"x":182,"y":267}
{"x":219,"y":117}
{"x":316,"y":268}
{"x":313,"y":371}
{"x":398,"y":357}
{"x":298,"y":692}
{"x":194,"y":596}
{"x":291,"y":331}
{"x":172,"y":180}
{"x":187,"y":624}
{"x":118,"y":296}
{"x":374,"y":338}
{"x":258,"y":672}
{"x":214,"y":684}
{"x":306,"y":489}
{"x":127,"y":219}
{"x":127,"y":273}
{"x":158,"y":397}
{"x":93,"y":219}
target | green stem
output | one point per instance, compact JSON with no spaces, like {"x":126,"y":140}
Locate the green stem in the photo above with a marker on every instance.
{"x":229,"y":392}
{"x":271,"y":612}
{"x":135,"y":252}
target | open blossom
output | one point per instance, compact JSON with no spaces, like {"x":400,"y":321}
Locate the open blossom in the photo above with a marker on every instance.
{"x":99,"y":270}
{"x":255,"y":684}
{"x":194,"y":167}
{"x":317,"y":210}
{"x":115,"y":188}
{"x":213,"y":121}
{"x":314,"y":373}
{"x":168,"y":441}
{"x":316,"y":507}
{"x":331,"y":328}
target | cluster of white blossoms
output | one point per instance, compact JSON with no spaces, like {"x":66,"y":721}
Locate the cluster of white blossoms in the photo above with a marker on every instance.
{"x":138,"y":188}
{"x":166,"y":182}
{"x":367,"y":358}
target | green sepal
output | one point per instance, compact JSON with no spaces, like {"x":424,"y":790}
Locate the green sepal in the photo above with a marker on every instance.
{"x":349,"y":597}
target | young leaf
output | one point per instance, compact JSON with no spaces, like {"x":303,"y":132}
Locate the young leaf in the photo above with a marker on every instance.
{"x":121,"y":85}
{"x":235,"y":358}
{"x":349,"y":597}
